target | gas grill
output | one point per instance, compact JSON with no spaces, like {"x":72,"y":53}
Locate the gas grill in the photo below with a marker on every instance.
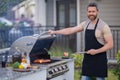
{"x":36,"y":47}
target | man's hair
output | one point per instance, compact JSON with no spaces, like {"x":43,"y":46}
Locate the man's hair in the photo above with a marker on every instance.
{"x":93,"y":5}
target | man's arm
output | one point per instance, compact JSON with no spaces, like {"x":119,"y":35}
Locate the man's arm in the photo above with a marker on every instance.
{"x":68,"y":31}
{"x":108,"y":42}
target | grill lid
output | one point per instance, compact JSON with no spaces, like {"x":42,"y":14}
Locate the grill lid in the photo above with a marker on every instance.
{"x":40,"y":48}
{"x":35,"y":46}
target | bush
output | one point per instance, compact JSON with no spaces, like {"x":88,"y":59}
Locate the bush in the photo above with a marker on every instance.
{"x":117,"y":69}
{"x":78,"y":60}
{"x":118,"y":56}
{"x":57,"y":51}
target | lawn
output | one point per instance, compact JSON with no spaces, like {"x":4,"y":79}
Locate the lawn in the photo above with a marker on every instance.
{"x":111,"y":76}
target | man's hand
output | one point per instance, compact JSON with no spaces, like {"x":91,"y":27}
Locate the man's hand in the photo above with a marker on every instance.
{"x":92,"y":51}
{"x":51,"y":32}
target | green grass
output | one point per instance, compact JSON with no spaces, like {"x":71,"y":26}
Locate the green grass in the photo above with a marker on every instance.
{"x":111,"y":76}
{"x":77,"y":74}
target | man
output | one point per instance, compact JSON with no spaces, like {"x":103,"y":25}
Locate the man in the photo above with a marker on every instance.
{"x":98,"y":39}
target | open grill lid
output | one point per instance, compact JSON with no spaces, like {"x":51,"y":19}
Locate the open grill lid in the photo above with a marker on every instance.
{"x":35,"y":46}
{"x":41,"y":47}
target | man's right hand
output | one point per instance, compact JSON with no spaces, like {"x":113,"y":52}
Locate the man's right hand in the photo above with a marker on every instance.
{"x":51,"y":32}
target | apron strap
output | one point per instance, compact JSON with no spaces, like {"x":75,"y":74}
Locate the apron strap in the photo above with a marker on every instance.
{"x":95,"y":24}
{"x":87,"y":25}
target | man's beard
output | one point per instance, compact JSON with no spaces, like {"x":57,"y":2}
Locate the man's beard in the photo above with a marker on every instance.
{"x":92,"y":17}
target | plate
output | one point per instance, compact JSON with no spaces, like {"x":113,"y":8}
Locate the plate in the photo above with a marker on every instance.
{"x":22,"y":70}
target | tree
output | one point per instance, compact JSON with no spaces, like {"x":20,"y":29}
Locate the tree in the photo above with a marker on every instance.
{"x":6,"y":5}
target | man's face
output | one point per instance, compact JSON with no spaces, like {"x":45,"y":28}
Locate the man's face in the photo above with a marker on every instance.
{"x":92,"y":13}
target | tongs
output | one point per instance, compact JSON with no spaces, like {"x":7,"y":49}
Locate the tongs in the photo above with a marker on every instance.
{"x":81,"y":52}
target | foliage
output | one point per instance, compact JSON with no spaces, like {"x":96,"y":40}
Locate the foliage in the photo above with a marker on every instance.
{"x":111,"y":76}
{"x":6,"y":5}
{"x":77,"y":74}
{"x":118,"y":56}
{"x":117,"y":69}
{"x":3,"y":26}
{"x":78,"y":60}
{"x":57,"y":51}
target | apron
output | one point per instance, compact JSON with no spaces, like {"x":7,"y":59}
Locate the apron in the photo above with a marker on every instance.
{"x":93,"y":65}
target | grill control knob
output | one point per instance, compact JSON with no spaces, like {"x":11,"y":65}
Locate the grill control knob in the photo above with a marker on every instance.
{"x":50,"y":72}
{"x":56,"y":70}
{"x":66,"y":66}
{"x":63,"y":67}
{"x":60,"y":68}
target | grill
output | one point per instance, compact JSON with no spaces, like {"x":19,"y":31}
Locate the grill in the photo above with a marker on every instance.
{"x":36,"y":47}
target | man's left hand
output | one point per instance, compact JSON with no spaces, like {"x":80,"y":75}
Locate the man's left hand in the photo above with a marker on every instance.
{"x":92,"y":51}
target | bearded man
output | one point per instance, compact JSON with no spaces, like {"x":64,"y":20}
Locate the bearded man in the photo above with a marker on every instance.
{"x":98,"y":39}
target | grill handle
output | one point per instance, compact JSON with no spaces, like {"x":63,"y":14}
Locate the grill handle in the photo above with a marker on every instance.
{"x":43,"y":33}
{"x":47,"y":33}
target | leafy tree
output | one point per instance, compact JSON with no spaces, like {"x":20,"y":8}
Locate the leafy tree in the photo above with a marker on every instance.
{"x":6,"y":5}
